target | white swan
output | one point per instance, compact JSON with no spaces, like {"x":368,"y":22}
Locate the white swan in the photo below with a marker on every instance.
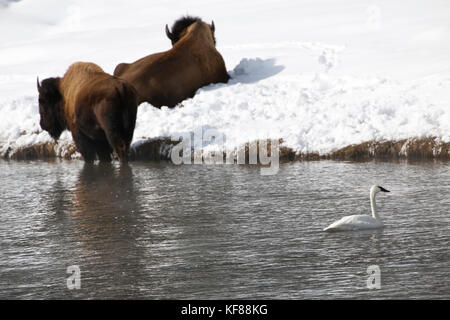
{"x":360,"y":221}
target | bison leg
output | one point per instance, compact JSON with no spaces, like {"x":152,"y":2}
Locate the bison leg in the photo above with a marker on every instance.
{"x":121,"y":148}
{"x":104,"y":151}
{"x":116,"y":139}
{"x":85,"y":146}
{"x":118,"y":124}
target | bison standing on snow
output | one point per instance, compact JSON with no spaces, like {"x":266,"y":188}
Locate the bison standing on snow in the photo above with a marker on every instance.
{"x":167,"y":78}
{"x":99,"y":109}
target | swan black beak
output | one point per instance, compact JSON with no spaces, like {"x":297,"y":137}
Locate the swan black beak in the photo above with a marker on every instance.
{"x":384,"y":190}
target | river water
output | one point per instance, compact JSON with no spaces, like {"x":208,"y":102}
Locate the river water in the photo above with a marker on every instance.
{"x":160,"y":231}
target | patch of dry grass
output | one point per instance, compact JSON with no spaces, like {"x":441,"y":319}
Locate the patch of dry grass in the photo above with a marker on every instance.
{"x":413,"y":149}
{"x":159,"y":149}
{"x":33,"y":152}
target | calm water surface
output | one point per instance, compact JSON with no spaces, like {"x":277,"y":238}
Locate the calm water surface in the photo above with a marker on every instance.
{"x":160,"y":231}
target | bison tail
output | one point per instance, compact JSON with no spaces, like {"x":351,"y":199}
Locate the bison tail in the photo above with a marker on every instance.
{"x":125,"y":119}
{"x":128,"y":101}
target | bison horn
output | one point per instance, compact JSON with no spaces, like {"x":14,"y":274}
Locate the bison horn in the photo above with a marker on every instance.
{"x":213,"y":28}
{"x":38,"y":84}
{"x":168,"y":33}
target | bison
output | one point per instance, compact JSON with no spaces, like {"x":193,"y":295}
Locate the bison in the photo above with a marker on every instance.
{"x":167,"y":78}
{"x":99,"y":110}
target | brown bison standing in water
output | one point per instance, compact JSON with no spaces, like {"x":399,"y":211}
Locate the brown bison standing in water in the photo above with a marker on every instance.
{"x":167,"y":78}
{"x":99,"y":109}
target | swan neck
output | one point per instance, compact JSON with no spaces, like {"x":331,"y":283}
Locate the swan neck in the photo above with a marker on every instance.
{"x":373,"y":206}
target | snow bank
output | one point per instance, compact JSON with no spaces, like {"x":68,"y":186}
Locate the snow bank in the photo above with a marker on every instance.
{"x":310,"y":113}
{"x":317,"y":75}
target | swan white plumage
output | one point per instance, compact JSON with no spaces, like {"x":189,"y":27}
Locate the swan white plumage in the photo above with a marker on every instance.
{"x":360,"y":221}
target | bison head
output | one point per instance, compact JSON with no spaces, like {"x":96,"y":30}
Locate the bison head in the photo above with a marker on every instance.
{"x":179,"y":27}
{"x":50,"y":107}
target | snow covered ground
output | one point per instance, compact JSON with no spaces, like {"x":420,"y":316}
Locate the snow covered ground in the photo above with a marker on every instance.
{"x":319,"y":74}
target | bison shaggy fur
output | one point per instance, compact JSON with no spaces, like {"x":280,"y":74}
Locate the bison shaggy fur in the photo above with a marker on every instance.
{"x":97,"y":108}
{"x":167,"y":78}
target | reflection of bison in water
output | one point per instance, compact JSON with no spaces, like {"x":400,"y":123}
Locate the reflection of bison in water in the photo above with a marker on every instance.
{"x":167,"y":78}
{"x":99,"y":109}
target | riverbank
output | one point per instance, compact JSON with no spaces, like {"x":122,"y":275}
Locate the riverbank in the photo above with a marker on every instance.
{"x":432,"y":148}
